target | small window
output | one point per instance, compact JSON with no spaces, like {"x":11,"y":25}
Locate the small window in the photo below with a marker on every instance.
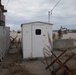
{"x":38,"y":32}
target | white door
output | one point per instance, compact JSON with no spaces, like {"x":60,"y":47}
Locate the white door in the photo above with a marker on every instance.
{"x":38,"y":36}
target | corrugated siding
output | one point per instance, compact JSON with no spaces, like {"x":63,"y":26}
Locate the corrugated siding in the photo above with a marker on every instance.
{"x":2,"y":23}
{"x":4,"y":41}
{"x":2,"y":16}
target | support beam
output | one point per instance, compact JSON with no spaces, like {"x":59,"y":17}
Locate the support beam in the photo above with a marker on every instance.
{"x":2,"y":16}
{"x":0,"y":2}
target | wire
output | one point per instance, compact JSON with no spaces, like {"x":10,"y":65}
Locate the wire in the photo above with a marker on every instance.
{"x":60,"y":24}
{"x":55,"y":6}
{"x":7,"y":3}
{"x":6,"y":6}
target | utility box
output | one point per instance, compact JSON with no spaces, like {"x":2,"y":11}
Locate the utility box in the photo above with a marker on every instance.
{"x":35,"y":38}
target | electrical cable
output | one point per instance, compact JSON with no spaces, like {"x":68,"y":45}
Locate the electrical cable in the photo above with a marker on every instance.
{"x":52,"y":11}
{"x":73,"y":24}
{"x":55,"y":6}
{"x":7,"y":3}
{"x":6,"y":6}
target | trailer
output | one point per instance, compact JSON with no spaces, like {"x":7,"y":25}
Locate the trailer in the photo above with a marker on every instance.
{"x":34,"y":38}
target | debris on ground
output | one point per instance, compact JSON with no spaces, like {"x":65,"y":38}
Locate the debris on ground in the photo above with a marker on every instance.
{"x":11,"y":65}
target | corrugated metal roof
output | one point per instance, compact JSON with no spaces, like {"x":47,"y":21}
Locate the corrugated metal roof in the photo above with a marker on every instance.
{"x":36,"y":22}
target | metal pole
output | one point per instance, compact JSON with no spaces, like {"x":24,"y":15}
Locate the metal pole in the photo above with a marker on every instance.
{"x":48,"y":16}
{"x":0,"y":2}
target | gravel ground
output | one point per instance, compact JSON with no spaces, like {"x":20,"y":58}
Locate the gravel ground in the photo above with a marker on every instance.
{"x":11,"y":65}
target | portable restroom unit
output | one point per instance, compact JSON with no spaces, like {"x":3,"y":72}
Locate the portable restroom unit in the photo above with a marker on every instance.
{"x":35,"y":38}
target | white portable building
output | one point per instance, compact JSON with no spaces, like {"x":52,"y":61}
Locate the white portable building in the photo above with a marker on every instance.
{"x":34,"y":38}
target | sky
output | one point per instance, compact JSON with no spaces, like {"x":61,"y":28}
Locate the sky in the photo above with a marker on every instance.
{"x":25,"y":11}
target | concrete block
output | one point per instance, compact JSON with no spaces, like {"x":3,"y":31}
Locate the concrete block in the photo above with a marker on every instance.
{"x":63,"y":43}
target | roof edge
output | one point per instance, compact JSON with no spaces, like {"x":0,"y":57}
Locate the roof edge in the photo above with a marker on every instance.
{"x":36,"y":22}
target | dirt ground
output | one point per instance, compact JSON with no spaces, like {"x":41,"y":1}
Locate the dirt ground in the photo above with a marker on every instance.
{"x":13,"y":64}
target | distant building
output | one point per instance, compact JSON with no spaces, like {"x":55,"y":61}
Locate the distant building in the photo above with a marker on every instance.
{"x":2,"y":16}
